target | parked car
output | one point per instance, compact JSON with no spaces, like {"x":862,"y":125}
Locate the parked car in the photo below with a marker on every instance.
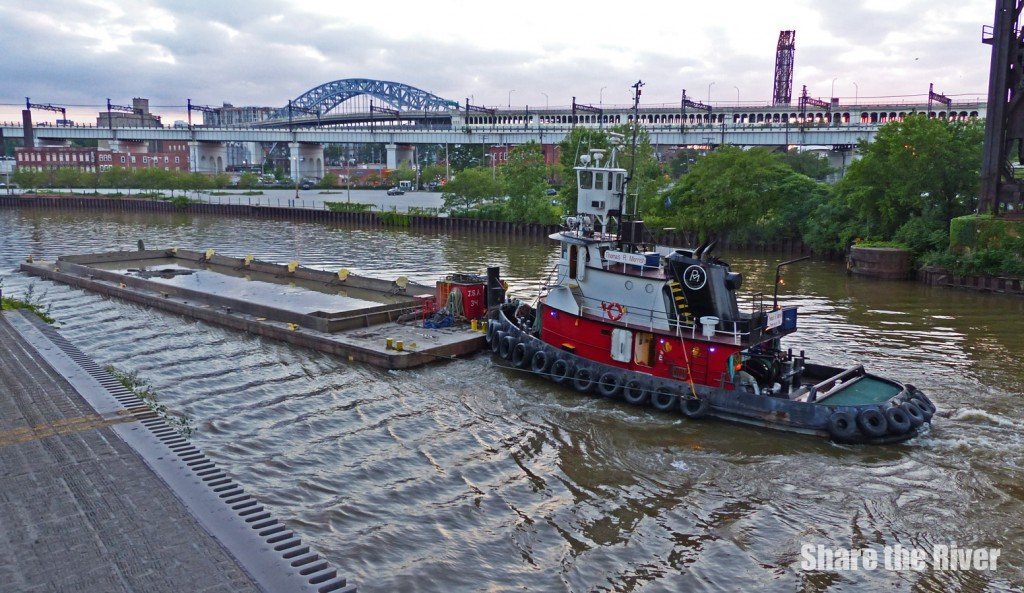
{"x":396,"y":191}
{"x":551,"y":192}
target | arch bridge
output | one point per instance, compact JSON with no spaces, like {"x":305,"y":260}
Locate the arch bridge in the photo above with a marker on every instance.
{"x":326,"y":97}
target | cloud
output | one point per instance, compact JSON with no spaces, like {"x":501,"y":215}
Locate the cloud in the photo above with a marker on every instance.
{"x":262,"y":52}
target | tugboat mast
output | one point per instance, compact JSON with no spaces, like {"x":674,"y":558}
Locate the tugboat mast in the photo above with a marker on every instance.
{"x":632,"y":168}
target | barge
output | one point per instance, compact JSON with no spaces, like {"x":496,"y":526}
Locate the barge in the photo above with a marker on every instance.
{"x":381,"y":322}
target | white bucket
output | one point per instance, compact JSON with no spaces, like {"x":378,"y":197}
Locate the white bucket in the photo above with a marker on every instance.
{"x":708,"y":324}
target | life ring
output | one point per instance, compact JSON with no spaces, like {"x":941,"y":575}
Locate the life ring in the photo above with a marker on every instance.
{"x":583,"y":381}
{"x":872,"y":423}
{"x":609,"y":385}
{"x":613,"y":311}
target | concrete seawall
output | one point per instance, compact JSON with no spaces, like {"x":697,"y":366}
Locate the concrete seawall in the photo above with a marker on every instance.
{"x":101,"y":494}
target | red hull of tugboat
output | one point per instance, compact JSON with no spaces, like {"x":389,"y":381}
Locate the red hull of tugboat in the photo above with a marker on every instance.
{"x":560,"y":357}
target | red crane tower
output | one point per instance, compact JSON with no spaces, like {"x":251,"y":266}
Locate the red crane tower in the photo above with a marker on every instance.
{"x":784,"y":56}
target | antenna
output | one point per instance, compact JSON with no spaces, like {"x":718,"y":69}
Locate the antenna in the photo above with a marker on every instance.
{"x":632,"y":167}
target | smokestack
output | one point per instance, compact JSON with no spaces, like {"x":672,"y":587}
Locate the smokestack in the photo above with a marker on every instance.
{"x":26,"y":122}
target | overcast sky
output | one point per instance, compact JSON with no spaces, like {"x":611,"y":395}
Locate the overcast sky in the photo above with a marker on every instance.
{"x":264,"y":52}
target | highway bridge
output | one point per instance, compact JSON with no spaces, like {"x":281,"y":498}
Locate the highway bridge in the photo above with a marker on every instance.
{"x":394,"y":114}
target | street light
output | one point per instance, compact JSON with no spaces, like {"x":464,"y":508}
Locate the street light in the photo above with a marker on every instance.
{"x":856,"y":93}
{"x":545,"y":99}
{"x":832,"y":96}
{"x":600,"y":100}
{"x":510,"y":98}
{"x":737,"y":94}
{"x":709,"y":92}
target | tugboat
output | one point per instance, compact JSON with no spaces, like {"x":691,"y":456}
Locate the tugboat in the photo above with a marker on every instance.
{"x":659,"y":326}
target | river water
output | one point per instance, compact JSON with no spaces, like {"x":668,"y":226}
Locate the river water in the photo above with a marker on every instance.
{"x":467,"y":476}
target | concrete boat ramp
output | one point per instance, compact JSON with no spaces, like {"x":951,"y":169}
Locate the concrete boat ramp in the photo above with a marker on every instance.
{"x":335,"y":312}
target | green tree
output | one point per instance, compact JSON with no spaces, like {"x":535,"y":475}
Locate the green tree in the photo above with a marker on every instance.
{"x":918,"y":167}
{"x":433,"y":173}
{"x":248,"y":180}
{"x":470,"y":189}
{"x":464,"y":156}
{"x":811,"y":164}
{"x":525,"y":182}
{"x":220,"y":180}
{"x":328,"y":181}
{"x":733,"y":191}
{"x":116,"y":178}
{"x":681,"y":162}
{"x":68,"y":178}
{"x":27,"y":179}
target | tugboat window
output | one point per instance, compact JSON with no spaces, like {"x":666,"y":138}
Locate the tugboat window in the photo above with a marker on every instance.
{"x":599,"y":180}
{"x":586,"y":180}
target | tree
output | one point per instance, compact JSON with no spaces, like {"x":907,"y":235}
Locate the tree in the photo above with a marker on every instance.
{"x":464,"y":156}
{"x":811,"y":164}
{"x":116,"y":178}
{"x":433,"y":173}
{"x":329,"y":180}
{"x":248,"y":180}
{"x":918,"y":167}
{"x":68,"y":177}
{"x":220,"y":180}
{"x":730,"y":190}
{"x":525,"y":182}
{"x":681,"y":162}
{"x":470,"y":188}
{"x":28,"y":179}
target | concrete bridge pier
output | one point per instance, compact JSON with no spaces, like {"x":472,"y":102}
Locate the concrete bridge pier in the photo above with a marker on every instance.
{"x":306,"y":159}
{"x":392,"y":160}
{"x":840,"y":158}
{"x":207,"y":157}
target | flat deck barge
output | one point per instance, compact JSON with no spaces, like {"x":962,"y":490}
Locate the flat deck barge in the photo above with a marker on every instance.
{"x":335,"y":312}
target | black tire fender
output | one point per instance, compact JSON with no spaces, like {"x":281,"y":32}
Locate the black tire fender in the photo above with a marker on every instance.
{"x":842,"y":425}
{"x":583,"y":380}
{"x":694,"y":407}
{"x":505,"y":347}
{"x":913,"y":412}
{"x":496,"y":341}
{"x":492,"y":330}
{"x":899,"y":422}
{"x":872,"y":423}
{"x":635,"y":392}
{"x":609,"y":385}
{"x":540,"y":362}
{"x":664,"y":399}
{"x":521,"y":355}
{"x":561,"y":371}
{"x":925,"y":404}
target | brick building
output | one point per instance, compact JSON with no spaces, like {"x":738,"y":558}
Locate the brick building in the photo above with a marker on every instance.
{"x":171,"y":156}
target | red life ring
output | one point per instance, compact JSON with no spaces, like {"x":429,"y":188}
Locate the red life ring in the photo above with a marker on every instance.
{"x":614,"y":311}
